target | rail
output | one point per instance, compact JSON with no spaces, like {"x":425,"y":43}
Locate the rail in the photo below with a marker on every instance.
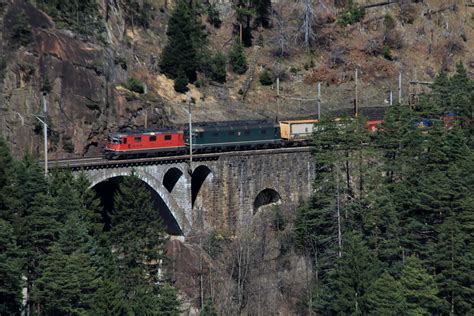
{"x":90,"y":163}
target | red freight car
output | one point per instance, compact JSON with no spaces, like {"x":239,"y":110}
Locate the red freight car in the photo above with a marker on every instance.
{"x":144,"y":143}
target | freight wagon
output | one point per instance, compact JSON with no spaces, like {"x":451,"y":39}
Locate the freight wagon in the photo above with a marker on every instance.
{"x":297,"y":130}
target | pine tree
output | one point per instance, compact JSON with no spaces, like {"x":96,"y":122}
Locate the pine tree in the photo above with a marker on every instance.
{"x":262,"y":10}
{"x":355,"y":271}
{"x":10,"y":272}
{"x":208,"y":309}
{"x":168,"y":301}
{"x":218,"y":67}
{"x":385,"y":297}
{"x":138,"y":238}
{"x":68,"y":278}
{"x":185,"y":40}
{"x":419,"y":289}
{"x":6,"y":182}
{"x":237,"y":59}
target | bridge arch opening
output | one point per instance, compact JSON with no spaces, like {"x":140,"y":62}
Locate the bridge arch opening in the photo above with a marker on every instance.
{"x":171,"y":177}
{"x":197,"y":179}
{"x":106,"y":191}
{"x":266,"y":197}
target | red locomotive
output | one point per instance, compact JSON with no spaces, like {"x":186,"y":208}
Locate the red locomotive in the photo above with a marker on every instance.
{"x":144,"y":143}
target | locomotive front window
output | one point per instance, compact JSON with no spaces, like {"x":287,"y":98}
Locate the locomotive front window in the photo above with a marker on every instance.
{"x":116,"y":140}
{"x":152,"y":138}
{"x":167,"y":137}
{"x":138,"y":139}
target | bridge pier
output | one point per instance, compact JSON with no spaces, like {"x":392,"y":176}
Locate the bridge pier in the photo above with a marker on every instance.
{"x":226,"y":193}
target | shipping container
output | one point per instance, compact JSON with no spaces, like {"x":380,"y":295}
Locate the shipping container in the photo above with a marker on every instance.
{"x":297,"y":129}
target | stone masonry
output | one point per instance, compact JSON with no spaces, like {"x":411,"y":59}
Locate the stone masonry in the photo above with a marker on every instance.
{"x":224,"y":194}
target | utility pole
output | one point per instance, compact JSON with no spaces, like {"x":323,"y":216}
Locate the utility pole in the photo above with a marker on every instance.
{"x":356,"y":105}
{"x":319,"y":101}
{"x":278,"y":98}
{"x":391,"y":98}
{"x":400,"y":87}
{"x":45,"y":132}
{"x":190,"y":115}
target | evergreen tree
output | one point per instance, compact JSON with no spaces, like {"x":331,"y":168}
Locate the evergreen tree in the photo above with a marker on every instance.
{"x":262,"y":10}
{"x":385,"y":297}
{"x":185,"y":41}
{"x":6,"y":182}
{"x":168,"y":301}
{"x":419,"y":289}
{"x":218,"y":67}
{"x":355,"y":271}
{"x":208,"y":309}
{"x":138,"y":238}
{"x":68,"y":278}
{"x":10,"y":272}
{"x":237,"y":59}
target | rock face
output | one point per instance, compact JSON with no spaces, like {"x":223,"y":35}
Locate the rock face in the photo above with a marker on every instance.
{"x":81,"y":78}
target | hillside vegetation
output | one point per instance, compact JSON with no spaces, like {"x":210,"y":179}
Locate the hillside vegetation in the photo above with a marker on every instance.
{"x":81,"y":53}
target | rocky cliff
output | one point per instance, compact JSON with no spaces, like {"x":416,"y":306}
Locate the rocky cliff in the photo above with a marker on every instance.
{"x":81,"y":74}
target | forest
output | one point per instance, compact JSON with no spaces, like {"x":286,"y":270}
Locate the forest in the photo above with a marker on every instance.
{"x":389,"y":229}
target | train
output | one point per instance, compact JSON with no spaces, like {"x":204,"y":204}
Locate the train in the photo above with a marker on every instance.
{"x":212,"y":137}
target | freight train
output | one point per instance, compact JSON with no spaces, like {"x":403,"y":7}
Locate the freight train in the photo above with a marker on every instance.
{"x":212,"y":137}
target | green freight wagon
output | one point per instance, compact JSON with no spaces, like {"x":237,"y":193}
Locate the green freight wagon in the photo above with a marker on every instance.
{"x":233,"y":135}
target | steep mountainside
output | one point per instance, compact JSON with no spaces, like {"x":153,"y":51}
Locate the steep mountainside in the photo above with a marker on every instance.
{"x":78,"y":58}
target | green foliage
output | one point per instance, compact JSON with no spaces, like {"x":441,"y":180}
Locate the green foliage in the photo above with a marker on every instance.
{"x":214,"y":66}
{"x":186,"y":42}
{"x":385,"y":297}
{"x":208,"y":309}
{"x":134,"y":84}
{"x":419,"y":288}
{"x":46,"y":85}
{"x":20,"y":30}
{"x":237,"y":59}
{"x":10,"y":271}
{"x":80,"y":16}
{"x":263,"y":9}
{"x":181,"y":83}
{"x":213,"y":16}
{"x":352,"y":13}
{"x":139,"y":13}
{"x":387,"y":52}
{"x":266,"y":78}
{"x":388,"y":22}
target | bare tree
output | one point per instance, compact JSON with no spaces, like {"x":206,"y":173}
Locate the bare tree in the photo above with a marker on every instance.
{"x":281,"y":39}
{"x":308,"y":16}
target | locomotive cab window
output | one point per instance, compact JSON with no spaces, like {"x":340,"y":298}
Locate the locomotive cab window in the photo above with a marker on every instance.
{"x":124,"y":140}
{"x":152,"y":138}
{"x":116,"y":140}
{"x":138,"y":139}
{"x":167,"y":137}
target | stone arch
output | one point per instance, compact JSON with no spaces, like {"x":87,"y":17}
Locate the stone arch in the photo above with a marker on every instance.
{"x":266,"y":197}
{"x":198,"y":177}
{"x":175,"y":211}
{"x":171,"y":177}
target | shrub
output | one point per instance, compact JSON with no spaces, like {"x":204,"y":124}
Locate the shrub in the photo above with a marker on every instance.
{"x":266,"y":78}
{"x":387,"y":53}
{"x":213,"y":16}
{"x":181,"y":82}
{"x":389,"y":22}
{"x":351,"y":14}
{"x":20,"y":32}
{"x":237,"y":58}
{"x":218,"y":68}
{"x":134,"y":84}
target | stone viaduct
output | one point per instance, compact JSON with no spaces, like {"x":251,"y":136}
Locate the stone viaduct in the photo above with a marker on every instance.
{"x":222,"y":193}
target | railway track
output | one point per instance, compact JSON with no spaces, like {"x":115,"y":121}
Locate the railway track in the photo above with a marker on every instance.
{"x":101,"y":163}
